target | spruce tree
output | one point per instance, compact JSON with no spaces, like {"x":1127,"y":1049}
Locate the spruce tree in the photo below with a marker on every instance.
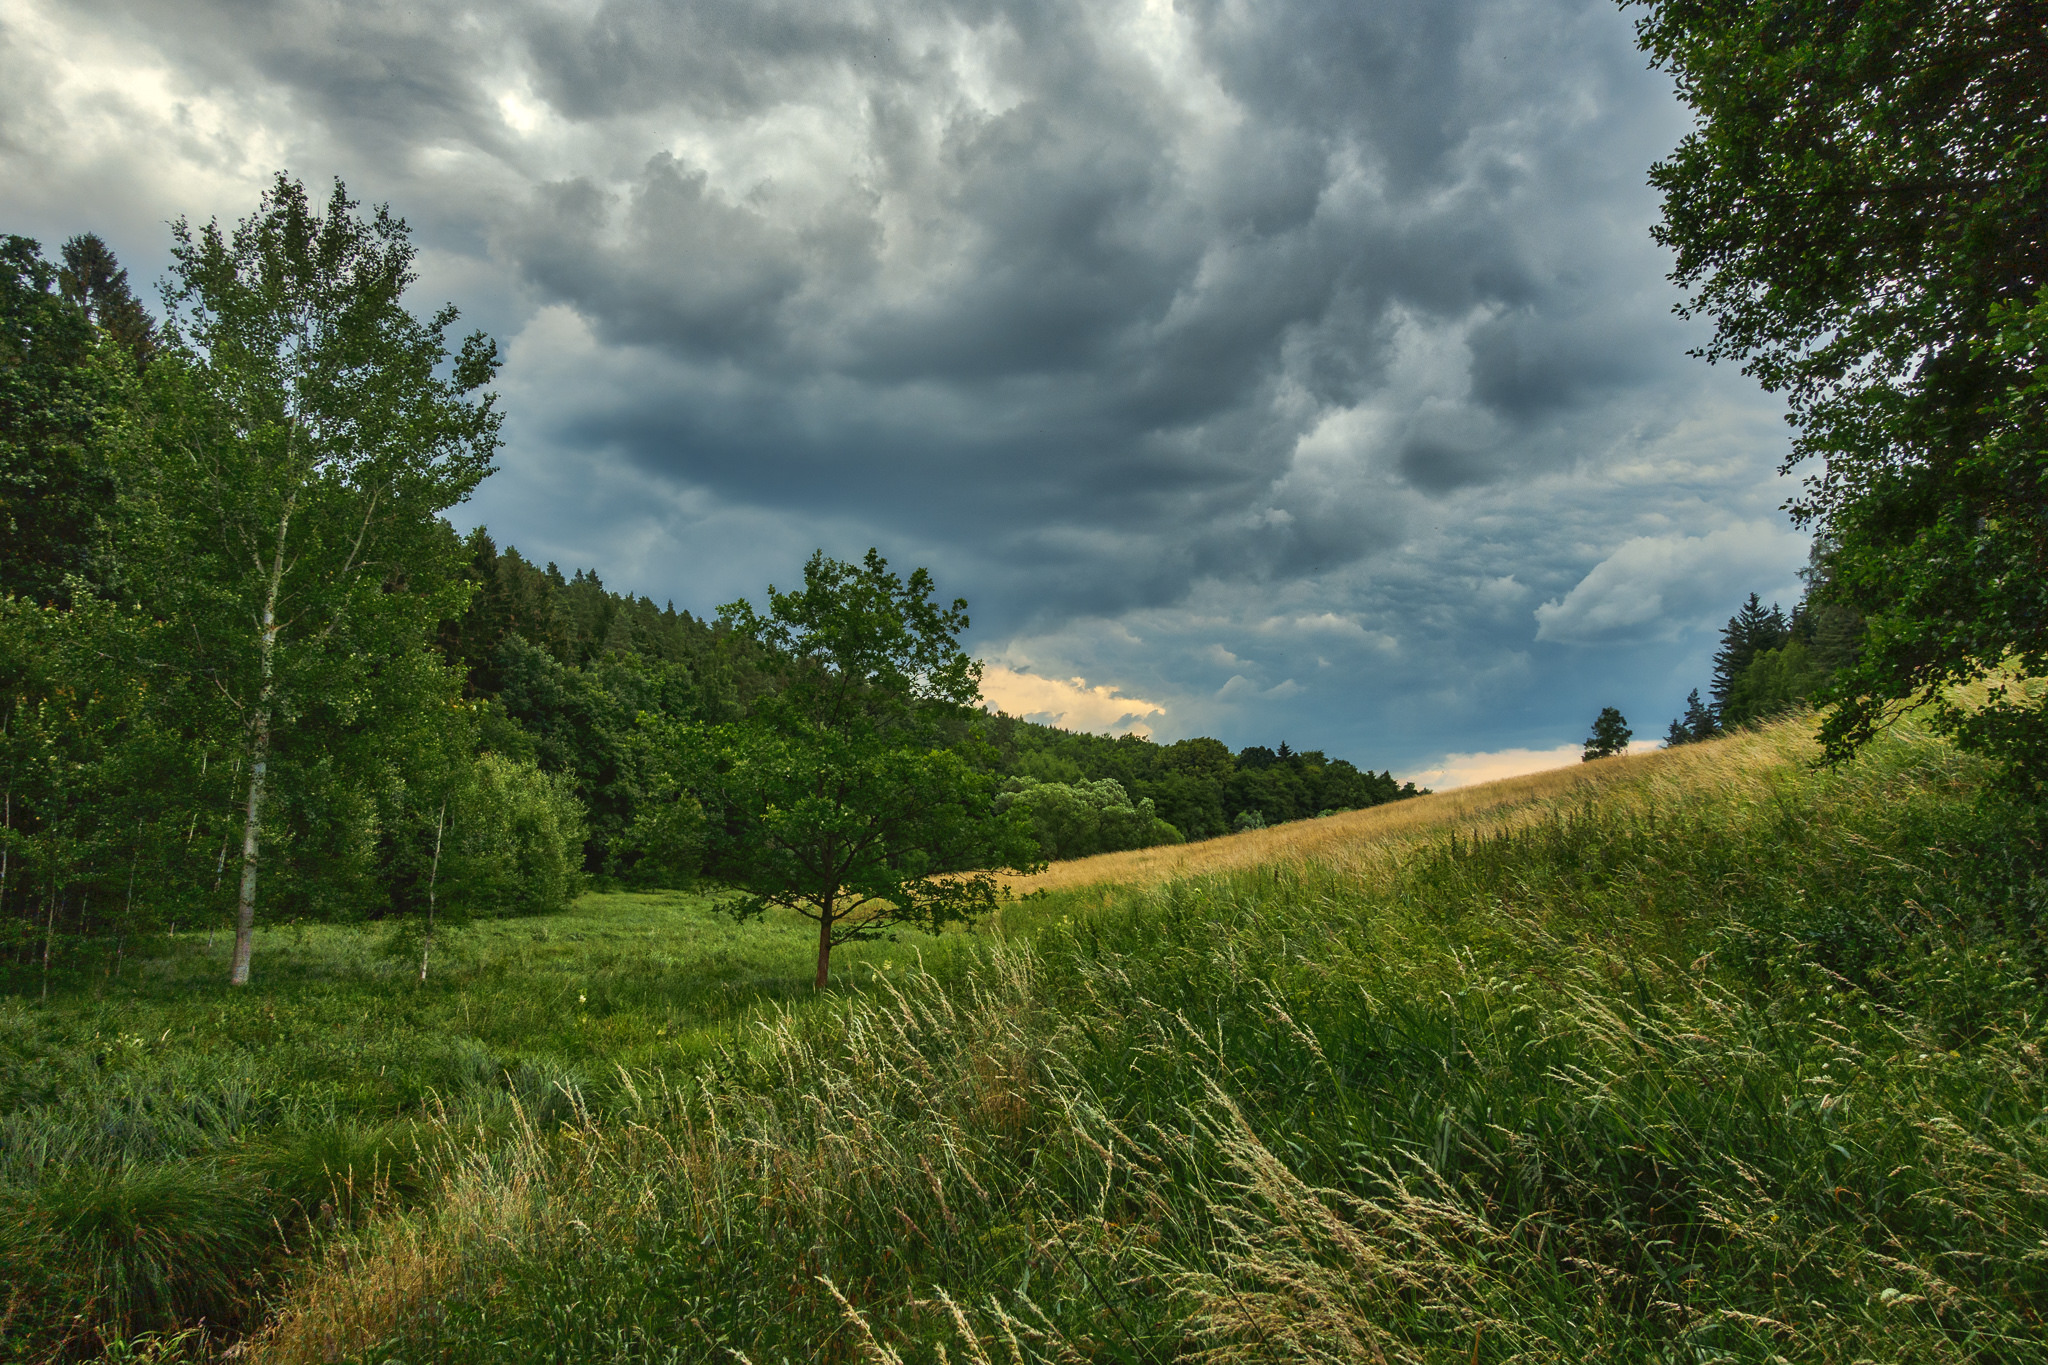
{"x":98,"y":284}
{"x":1610,"y":735}
{"x":1698,"y":723}
{"x":1748,"y":633}
{"x":62,"y":397}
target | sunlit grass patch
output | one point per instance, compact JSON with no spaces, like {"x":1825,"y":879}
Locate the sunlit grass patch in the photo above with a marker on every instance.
{"x":1737,"y":762}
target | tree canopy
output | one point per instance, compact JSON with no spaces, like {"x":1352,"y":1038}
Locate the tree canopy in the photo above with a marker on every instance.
{"x":839,"y":798}
{"x":233,"y":615}
{"x":1610,"y":736}
{"x":1859,"y":211}
{"x":314,"y":430}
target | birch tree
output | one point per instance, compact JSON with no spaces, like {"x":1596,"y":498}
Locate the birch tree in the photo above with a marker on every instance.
{"x":310,"y":431}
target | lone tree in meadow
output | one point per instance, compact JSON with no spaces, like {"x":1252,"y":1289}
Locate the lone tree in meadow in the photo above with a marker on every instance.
{"x":839,"y":797}
{"x":1610,"y":736}
{"x":310,"y":431}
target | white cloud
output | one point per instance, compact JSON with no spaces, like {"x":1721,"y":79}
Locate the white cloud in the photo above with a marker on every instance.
{"x":1069,"y":703}
{"x":1464,"y":770}
{"x":1658,"y":586}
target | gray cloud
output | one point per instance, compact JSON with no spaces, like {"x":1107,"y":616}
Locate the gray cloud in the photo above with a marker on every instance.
{"x":1152,"y":328}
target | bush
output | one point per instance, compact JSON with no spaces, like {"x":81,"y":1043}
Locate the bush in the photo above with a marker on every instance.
{"x":515,"y":840}
{"x":1076,"y":819}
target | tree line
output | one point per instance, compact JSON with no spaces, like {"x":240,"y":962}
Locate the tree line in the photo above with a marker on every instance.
{"x":1769,"y":661}
{"x":245,"y":660}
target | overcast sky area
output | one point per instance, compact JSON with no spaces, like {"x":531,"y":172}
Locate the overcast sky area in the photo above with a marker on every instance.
{"x":1299,"y":370}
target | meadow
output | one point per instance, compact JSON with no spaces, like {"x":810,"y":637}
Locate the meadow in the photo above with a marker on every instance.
{"x":168,"y":1144}
{"x":1703,"y":1056}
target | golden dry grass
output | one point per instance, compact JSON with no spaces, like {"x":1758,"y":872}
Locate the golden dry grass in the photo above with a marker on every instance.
{"x":1361,"y":836}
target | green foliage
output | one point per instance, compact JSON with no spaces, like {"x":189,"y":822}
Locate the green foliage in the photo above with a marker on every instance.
{"x":170,"y":1147}
{"x":1750,"y":631}
{"x":515,"y":841}
{"x":1769,"y":664}
{"x":858,"y":647}
{"x":852,"y":831}
{"x":310,"y":430}
{"x":1774,"y":681}
{"x":1696,"y":725}
{"x":836,"y":798}
{"x":110,"y":816}
{"x":95,"y":281}
{"x":66,"y":390}
{"x":1196,"y":785}
{"x":565,"y":668}
{"x":1075,"y":820}
{"x":1610,"y":735}
{"x":1858,"y":209}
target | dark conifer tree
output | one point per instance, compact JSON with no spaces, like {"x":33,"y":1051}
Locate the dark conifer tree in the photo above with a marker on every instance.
{"x":1749,"y":632}
{"x":56,"y":405}
{"x":1696,"y":724}
{"x":97,"y":283}
{"x":1610,"y":735}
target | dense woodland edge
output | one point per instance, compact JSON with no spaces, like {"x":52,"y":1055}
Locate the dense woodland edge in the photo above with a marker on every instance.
{"x":226,"y":554}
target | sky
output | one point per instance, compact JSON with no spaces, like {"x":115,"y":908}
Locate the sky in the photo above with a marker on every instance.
{"x":1298,"y":371}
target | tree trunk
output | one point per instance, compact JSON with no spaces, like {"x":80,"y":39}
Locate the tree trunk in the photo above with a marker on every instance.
{"x":49,"y":933}
{"x":245,"y":901}
{"x":259,"y":761}
{"x":433,"y":875}
{"x":825,"y":942}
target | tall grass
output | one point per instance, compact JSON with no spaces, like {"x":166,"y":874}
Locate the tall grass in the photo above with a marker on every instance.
{"x":1726,"y":1061}
{"x":169,"y":1146}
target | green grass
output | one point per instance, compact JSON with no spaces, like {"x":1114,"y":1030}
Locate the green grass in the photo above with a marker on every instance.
{"x":1704,"y":1071}
{"x":1713,"y":1058}
{"x":168,"y":1143}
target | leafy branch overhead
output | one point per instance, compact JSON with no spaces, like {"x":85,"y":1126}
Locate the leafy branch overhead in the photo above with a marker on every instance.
{"x":1858,"y":210}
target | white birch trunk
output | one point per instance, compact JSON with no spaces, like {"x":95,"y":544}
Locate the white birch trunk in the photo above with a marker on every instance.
{"x":259,"y":761}
{"x":433,"y":875}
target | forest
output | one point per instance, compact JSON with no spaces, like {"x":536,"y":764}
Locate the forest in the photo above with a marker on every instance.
{"x":249,"y":669}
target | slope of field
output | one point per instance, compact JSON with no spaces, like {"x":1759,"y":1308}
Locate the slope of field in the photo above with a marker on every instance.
{"x":1711,"y":1056}
{"x":1362,"y":837}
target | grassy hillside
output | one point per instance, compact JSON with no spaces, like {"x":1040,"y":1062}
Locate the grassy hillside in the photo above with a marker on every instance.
{"x":1347,"y":837}
{"x":1700,"y":1056}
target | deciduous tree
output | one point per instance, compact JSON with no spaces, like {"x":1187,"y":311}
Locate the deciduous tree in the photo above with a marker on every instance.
{"x":836,"y":798}
{"x":310,"y":431}
{"x":1859,"y":210}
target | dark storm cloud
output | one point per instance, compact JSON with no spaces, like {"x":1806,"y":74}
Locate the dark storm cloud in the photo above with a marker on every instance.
{"x":1263,"y":344}
{"x":1059,"y":306}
